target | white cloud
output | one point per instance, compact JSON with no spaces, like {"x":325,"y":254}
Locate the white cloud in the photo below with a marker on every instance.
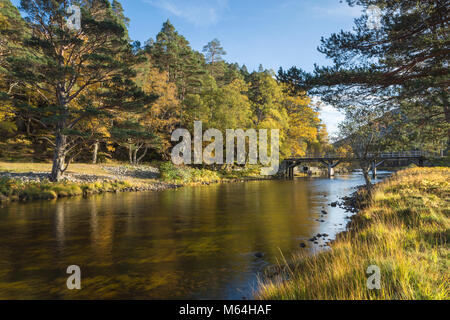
{"x":330,"y":116}
{"x":341,"y":10}
{"x":198,"y":12}
{"x":322,"y":10}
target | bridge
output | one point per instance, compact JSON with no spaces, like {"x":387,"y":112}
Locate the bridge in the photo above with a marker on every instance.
{"x":332,"y":160}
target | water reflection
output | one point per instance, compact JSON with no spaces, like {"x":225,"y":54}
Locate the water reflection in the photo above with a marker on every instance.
{"x":190,"y":243}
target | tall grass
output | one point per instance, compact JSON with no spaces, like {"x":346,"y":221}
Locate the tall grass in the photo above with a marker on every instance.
{"x":404,"y":231}
{"x":185,"y":175}
{"x":14,"y":190}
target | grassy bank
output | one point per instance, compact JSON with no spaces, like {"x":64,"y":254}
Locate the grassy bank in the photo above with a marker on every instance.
{"x":14,"y":190}
{"x":28,"y":181}
{"x":404,"y":231}
{"x":184,"y":175}
{"x":105,"y":178}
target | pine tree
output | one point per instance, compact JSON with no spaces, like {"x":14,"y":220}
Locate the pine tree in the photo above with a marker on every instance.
{"x":120,"y":15}
{"x":214,"y":52}
{"x":403,"y":62}
{"x":65,"y":63}
{"x":12,"y":30}
{"x":171,"y":53}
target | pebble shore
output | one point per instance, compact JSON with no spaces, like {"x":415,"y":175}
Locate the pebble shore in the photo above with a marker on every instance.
{"x":115,"y":173}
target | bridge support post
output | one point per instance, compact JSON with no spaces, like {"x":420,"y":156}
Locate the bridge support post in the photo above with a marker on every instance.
{"x":330,"y":170}
{"x":330,"y":166}
{"x":289,"y":168}
{"x":291,"y":172}
{"x":374,"y":168}
{"x":284,"y":169}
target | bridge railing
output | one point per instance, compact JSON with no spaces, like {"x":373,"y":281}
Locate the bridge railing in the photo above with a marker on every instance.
{"x":395,"y":154}
{"x":405,"y":154}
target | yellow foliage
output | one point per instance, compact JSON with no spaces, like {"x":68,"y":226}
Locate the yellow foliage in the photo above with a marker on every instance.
{"x":303,"y":122}
{"x":344,"y":150}
{"x":162,"y":116}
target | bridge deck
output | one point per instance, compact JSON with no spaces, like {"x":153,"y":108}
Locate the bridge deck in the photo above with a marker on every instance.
{"x":332,"y":160}
{"x":381,"y":156}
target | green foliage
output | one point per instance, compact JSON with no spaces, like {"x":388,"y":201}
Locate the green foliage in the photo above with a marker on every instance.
{"x":171,"y":53}
{"x":187,"y":175}
{"x":401,"y":66}
{"x":76,"y":93}
{"x":214,"y":51}
{"x":441,"y":162}
{"x":80,"y":76}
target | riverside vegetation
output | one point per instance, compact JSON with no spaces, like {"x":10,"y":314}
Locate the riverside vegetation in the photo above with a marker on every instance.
{"x":123,"y":100}
{"x":403,"y":229}
{"x":23,"y":182}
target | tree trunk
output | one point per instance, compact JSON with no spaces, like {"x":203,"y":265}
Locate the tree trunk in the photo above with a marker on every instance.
{"x":95,"y":152}
{"x":130,"y":154}
{"x":367,"y":179}
{"x":447,"y":118}
{"x":135,"y":156}
{"x":59,"y":158}
{"x":142,"y":156}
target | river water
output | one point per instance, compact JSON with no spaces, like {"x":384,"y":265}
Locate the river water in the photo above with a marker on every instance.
{"x":192,"y":243}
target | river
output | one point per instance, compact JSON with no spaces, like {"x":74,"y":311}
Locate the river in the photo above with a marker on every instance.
{"x":192,"y":243}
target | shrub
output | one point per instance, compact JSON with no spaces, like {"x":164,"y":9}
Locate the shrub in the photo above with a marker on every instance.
{"x":186,"y":175}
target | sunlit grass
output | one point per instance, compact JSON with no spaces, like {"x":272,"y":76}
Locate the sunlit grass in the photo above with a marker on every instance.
{"x":14,"y":190}
{"x":79,"y":168}
{"x":404,"y":231}
{"x":186,"y":175}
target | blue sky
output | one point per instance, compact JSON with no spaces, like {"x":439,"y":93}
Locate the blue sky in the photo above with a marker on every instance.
{"x":271,"y":32}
